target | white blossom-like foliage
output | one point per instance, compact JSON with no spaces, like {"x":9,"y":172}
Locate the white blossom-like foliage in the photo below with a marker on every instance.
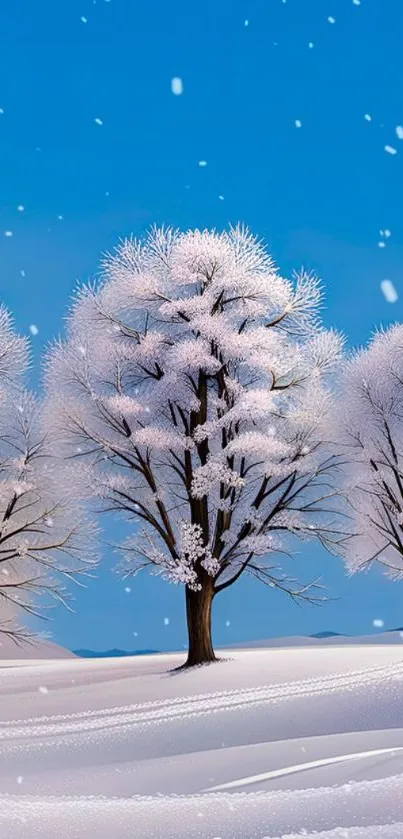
{"x":192,"y":388}
{"x":371,"y":429}
{"x":42,"y":536}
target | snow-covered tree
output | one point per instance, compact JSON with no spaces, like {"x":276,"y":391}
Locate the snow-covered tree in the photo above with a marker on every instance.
{"x":192,"y":387}
{"x":42,"y":536}
{"x":370,"y":424}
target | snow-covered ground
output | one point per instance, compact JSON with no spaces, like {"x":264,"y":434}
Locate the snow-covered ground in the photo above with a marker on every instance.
{"x":271,"y":743}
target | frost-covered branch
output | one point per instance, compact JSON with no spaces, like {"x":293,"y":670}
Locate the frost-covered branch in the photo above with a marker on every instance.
{"x":44,"y":538}
{"x":371,"y":429}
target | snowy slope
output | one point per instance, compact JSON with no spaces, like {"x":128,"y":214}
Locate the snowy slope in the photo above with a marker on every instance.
{"x":37,"y":649}
{"x":393,"y":637}
{"x":263,"y":745}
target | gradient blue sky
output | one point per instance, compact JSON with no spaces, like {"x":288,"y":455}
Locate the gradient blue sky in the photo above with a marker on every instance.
{"x":318,"y":194}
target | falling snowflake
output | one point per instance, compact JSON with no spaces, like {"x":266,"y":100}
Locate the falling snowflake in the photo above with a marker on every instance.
{"x":311,"y":45}
{"x":221,"y":197}
{"x":378,"y":623}
{"x":1,"y":111}
{"x":127,"y":589}
{"x":389,"y":291}
{"x":227,"y":623}
{"x":60,"y":218}
{"x":246,"y":23}
{"x":399,"y":132}
{"x":20,"y":208}
{"x":43,"y":689}
{"x":22,"y":272}
{"x":8,"y":233}
{"x":202,"y":162}
{"x":135,"y":634}
{"x":368,"y":117}
{"x":33,"y":329}
{"x":98,"y":121}
{"x":19,"y":779}
{"x":356,"y":2}
{"x":177,"y":86}
{"x":381,"y":245}
{"x":390,"y":150}
{"x":166,"y":621}
{"x":298,"y":123}
{"x":83,"y":19}
{"x":331,"y":19}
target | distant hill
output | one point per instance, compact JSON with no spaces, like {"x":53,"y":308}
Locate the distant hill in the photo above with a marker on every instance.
{"x":37,"y":649}
{"x":394,"y":636}
{"x":328,"y":635}
{"x":111,"y":653}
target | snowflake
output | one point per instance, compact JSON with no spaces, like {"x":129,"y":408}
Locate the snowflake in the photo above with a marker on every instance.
{"x":389,"y":291}
{"x":177,"y":86}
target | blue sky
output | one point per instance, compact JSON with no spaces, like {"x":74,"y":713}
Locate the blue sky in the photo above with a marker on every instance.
{"x":318,"y":194}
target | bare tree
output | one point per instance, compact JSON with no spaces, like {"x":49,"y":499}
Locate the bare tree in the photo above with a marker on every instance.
{"x":192,"y":386}
{"x":370,"y":427}
{"x":43,"y":537}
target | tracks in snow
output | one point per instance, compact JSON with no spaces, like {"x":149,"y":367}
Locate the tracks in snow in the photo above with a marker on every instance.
{"x":168,"y":710}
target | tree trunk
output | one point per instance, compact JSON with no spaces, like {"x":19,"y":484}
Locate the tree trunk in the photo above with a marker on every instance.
{"x":198,"y":614}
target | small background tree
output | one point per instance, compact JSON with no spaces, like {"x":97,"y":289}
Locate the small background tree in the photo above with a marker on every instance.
{"x":370,"y":423}
{"x":193,"y":387}
{"x":43,"y":536}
